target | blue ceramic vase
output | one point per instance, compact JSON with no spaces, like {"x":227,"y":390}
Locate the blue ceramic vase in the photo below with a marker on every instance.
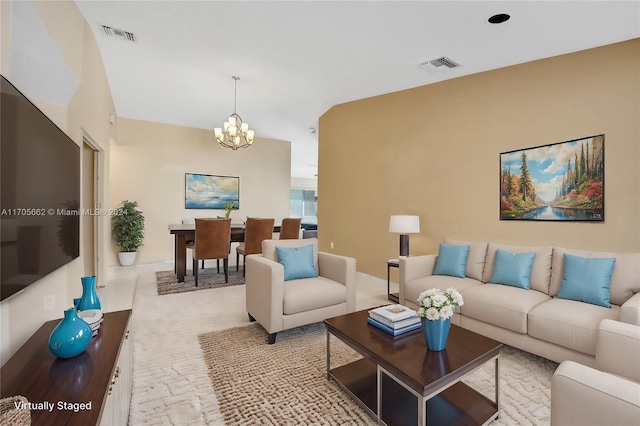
{"x":89,"y":299}
{"x":70,"y":337}
{"x":436,"y":333}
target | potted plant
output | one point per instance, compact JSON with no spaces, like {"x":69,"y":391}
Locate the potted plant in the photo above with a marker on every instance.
{"x":436,"y":309}
{"x":228,"y":207}
{"x":128,"y":231}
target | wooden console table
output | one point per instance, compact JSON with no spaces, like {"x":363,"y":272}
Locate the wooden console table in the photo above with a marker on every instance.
{"x":91,"y":388}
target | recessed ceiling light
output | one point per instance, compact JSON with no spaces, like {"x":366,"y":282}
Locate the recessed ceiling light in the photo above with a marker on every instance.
{"x":499,"y":18}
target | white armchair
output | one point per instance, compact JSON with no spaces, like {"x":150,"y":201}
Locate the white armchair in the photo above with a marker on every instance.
{"x":280,"y":305}
{"x":608,"y":395}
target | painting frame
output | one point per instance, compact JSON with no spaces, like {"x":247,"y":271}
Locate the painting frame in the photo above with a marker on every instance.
{"x":204,"y":191}
{"x":557,"y":182}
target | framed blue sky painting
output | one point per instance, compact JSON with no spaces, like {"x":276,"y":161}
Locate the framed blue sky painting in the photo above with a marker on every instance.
{"x":210,"y":191}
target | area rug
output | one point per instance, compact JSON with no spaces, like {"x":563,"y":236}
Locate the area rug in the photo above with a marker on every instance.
{"x":286,"y":384}
{"x":208,"y":278}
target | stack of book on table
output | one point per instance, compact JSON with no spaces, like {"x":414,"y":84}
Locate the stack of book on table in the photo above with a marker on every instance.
{"x":394,"y":319}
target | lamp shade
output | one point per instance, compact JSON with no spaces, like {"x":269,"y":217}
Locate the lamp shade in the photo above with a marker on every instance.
{"x":404,"y":224}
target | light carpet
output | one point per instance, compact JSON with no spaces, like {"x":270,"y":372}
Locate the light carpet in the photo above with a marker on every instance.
{"x":171,"y":385}
{"x":208,"y":278}
{"x":286,"y":383}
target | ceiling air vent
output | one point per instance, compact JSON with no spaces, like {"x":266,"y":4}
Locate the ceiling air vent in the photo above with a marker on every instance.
{"x":440,"y":64}
{"x":116,"y":33}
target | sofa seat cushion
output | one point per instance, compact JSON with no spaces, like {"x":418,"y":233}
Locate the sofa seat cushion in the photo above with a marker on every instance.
{"x":570,"y":324}
{"x":502,"y":306}
{"x":307,"y":294}
{"x":413,"y":288}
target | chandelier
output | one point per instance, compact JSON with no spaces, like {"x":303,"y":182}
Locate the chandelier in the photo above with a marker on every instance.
{"x":235,"y":134}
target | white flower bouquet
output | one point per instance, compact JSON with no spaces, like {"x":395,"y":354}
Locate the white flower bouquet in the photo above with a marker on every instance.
{"x":438,"y":304}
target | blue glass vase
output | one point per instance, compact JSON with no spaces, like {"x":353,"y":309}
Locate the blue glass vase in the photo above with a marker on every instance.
{"x":89,"y":299}
{"x":436,"y":333}
{"x":71,"y":336}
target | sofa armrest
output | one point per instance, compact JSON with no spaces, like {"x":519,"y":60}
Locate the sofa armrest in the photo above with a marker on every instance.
{"x":582,"y":395}
{"x":415,"y":267}
{"x":618,"y":349}
{"x":341,"y":269}
{"x":630,"y":310}
{"x":264,"y":291}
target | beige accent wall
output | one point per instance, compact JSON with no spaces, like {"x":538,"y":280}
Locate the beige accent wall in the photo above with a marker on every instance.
{"x":434,"y":151}
{"x":89,"y":109}
{"x":148,"y":165}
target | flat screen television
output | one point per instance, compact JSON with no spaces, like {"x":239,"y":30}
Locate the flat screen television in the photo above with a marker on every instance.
{"x":40,"y":194}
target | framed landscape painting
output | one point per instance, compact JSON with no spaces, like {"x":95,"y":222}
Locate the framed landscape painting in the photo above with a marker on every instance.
{"x":558,"y":182}
{"x":210,"y":191}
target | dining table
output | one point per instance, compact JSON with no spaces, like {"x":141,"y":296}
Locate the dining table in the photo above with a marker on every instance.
{"x":184,"y":232}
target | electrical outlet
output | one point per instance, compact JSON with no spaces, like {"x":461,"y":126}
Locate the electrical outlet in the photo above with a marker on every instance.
{"x":49,"y":302}
{"x":331,"y":245}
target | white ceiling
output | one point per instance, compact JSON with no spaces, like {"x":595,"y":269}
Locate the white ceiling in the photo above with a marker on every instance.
{"x":296,"y":59}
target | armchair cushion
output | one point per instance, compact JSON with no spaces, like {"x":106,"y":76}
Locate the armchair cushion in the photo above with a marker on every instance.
{"x":297,"y":262}
{"x":312,"y":293}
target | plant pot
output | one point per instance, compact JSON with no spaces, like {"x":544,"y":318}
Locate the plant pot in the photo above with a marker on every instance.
{"x":127,"y":258}
{"x":436,"y":333}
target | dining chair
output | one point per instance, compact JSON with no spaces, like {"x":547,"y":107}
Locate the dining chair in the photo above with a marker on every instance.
{"x":256,"y":230}
{"x":213,"y":237}
{"x":290,"y":228}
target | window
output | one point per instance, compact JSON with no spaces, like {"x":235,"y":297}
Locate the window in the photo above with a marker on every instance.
{"x":304,"y":203}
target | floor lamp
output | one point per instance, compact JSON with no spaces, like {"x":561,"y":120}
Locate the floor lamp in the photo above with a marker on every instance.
{"x":404,"y":225}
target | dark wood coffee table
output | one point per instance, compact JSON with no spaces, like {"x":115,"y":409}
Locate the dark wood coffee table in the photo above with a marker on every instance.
{"x":400,"y":382}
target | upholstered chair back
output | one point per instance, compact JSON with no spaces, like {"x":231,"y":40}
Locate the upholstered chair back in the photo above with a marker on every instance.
{"x":290,"y":228}
{"x":256,"y":231}
{"x":213,"y":237}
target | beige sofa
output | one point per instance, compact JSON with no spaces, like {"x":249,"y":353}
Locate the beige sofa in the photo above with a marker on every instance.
{"x":608,"y":394}
{"x":533,"y":320}
{"x":279,"y":305}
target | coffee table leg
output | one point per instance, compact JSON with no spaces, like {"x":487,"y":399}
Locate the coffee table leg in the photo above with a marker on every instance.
{"x":328,"y":355}
{"x":378,"y":393}
{"x":497,"y":374}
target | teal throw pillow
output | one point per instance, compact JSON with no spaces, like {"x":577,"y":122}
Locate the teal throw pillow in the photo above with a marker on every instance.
{"x":512,"y":269}
{"x":297,"y":262}
{"x":587,"y":279}
{"x":452,"y":260}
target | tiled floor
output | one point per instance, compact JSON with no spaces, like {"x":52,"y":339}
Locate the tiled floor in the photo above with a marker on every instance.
{"x":119,"y":291}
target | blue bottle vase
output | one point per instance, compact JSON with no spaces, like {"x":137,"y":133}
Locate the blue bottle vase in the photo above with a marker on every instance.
{"x":436,"y":333}
{"x":70,"y":337}
{"x":89,"y":299}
